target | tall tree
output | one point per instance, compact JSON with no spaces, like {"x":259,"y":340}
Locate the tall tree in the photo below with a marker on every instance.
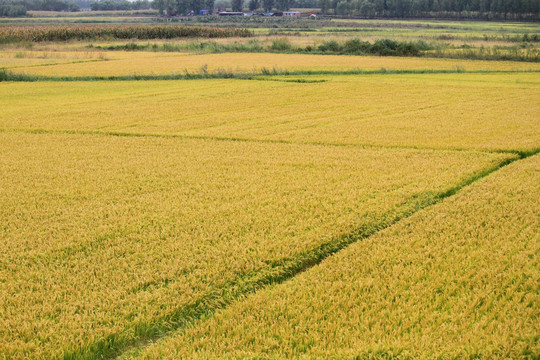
{"x":209,"y":5}
{"x":253,"y":5}
{"x":268,"y":5}
{"x":237,"y":5}
{"x":324,"y":5}
{"x":283,"y":5}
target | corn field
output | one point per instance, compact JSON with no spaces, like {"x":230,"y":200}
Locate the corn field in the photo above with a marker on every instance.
{"x":88,"y":32}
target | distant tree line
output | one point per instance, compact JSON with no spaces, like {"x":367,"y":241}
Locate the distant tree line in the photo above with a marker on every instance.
{"x":484,"y":9}
{"x":108,"y":5}
{"x":268,"y":5}
{"x":421,"y":8}
{"x":181,"y":7}
{"x":16,"y":8}
{"x":185,"y":6}
{"x":511,"y":9}
{"x":8,"y":9}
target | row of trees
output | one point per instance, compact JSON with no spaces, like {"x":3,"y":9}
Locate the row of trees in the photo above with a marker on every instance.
{"x":108,"y":5}
{"x":268,"y":5}
{"x":12,"y":10}
{"x":185,"y":6}
{"x":367,"y":8}
{"x":15,"y":8}
{"x":173,"y":7}
{"x":419,"y":8}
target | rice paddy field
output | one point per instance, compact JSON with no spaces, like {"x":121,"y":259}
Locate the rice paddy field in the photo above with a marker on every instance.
{"x":268,"y":204}
{"x":448,"y":282}
{"x":156,"y":63}
{"x":383,"y":110}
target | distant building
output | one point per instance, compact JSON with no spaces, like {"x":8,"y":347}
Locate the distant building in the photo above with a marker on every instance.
{"x":291,"y":13}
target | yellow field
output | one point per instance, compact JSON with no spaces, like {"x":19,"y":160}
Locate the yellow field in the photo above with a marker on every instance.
{"x":14,"y":60}
{"x":327,"y":212}
{"x":119,"y":63}
{"x":12,"y":63}
{"x":458,"y":280}
{"x":459,"y":111}
{"x":116,"y":234}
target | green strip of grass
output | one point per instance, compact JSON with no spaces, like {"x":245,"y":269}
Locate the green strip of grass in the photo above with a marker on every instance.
{"x":6,"y":75}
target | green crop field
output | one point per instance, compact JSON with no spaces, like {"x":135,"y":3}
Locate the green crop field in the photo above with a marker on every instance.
{"x":251,"y":188}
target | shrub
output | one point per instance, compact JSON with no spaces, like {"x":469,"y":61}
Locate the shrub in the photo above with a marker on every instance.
{"x":281,"y":45}
{"x":330,"y":46}
{"x":355,"y":46}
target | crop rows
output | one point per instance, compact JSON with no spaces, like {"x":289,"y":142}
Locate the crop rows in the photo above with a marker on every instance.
{"x":264,"y":216}
{"x":460,"y":111}
{"x":458,"y":280}
{"x":116,"y":236}
{"x":92,"y":32}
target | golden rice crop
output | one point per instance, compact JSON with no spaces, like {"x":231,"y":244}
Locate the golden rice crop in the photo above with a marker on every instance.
{"x":125,"y":63}
{"x":13,"y":62}
{"x":472,"y":111}
{"x":106,"y":239}
{"x":12,"y":59}
{"x":457,"y":280}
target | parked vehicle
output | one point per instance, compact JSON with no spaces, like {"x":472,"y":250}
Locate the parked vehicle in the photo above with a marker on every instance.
{"x":231,"y":13}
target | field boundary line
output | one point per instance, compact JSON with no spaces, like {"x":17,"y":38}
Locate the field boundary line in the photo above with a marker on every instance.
{"x":262,"y":141}
{"x":9,"y":76}
{"x":58,"y":63}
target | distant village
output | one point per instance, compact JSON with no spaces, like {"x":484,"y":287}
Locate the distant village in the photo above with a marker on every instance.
{"x":252,"y":13}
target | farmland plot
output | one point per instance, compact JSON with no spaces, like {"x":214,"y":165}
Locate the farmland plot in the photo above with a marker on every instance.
{"x":110,"y":239}
{"x":457,"y":280}
{"x":309,"y":214}
{"x":442,"y":111}
{"x":159,"y":63}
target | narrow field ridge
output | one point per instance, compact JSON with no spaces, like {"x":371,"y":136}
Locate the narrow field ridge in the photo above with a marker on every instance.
{"x":57,"y":63}
{"x":227,"y":74}
{"x":522,"y":154}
